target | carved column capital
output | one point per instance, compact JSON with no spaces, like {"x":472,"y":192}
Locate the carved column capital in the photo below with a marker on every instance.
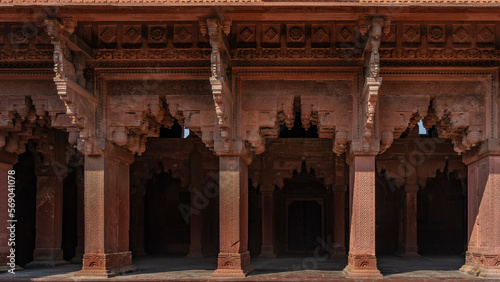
{"x":237,"y":148}
{"x":489,"y":147}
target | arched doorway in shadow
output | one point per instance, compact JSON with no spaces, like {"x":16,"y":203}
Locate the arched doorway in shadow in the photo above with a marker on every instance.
{"x":441,"y":215}
{"x":165,"y":228}
{"x":421,"y":202}
{"x":302,"y":215}
{"x":167,"y":207}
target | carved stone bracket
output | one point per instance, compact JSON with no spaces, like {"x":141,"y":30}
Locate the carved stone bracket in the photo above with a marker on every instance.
{"x":460,"y":119}
{"x":262,"y":118}
{"x":133,"y":118}
{"x":17,"y":121}
{"x":370,"y":92}
{"x":221,"y":90}
{"x":333,"y":118}
{"x":80,"y":104}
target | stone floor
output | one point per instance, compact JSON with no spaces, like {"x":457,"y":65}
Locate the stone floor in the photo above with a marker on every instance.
{"x":288,"y":268}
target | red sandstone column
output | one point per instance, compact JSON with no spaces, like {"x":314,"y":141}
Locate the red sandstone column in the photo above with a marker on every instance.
{"x":267,"y":190}
{"x":483,"y":254}
{"x":7,"y":160}
{"x":80,"y":215}
{"x":107,"y":213}
{"x":339,"y":190}
{"x":234,"y":257}
{"x":195,"y":224}
{"x":267,"y":249}
{"x":410,"y":247}
{"x":339,"y":250}
{"x":196,"y":217}
{"x":362,"y":262}
{"x":50,"y":169}
{"x":138,"y":193}
{"x":138,"y":181}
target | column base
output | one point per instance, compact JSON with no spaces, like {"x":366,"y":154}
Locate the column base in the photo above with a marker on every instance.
{"x":409,"y":255}
{"x":339,"y":252}
{"x":408,"y":251}
{"x":267,"y":251}
{"x":5,"y":264}
{"x":78,"y":256}
{"x":233,"y":265}
{"x":47,"y":257}
{"x":106,"y":264}
{"x":362,"y":266}
{"x":140,"y":253}
{"x":487,"y":266}
{"x":195,"y":255}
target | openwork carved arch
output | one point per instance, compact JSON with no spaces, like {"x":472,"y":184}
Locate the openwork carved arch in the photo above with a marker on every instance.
{"x":266,"y":111}
{"x":461,"y":107}
{"x":144,"y":100}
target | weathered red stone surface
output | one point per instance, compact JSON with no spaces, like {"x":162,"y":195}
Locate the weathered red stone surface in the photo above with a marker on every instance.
{"x":107,"y":214}
{"x":362,"y":262}
{"x":483,"y":253}
{"x":234,"y":257}
{"x":361,"y":75}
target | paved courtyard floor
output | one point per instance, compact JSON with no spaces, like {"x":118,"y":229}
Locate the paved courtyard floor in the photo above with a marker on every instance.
{"x":287,"y":268}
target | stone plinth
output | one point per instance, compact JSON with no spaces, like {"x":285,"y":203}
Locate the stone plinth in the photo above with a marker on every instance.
{"x":233,"y":265}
